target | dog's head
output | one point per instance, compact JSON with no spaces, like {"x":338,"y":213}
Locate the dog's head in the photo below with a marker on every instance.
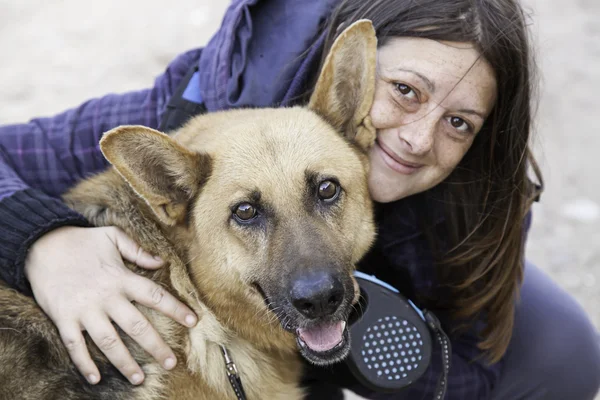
{"x":273,"y":203}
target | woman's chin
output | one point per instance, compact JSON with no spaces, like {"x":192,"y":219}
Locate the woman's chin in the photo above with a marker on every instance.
{"x":386,"y":190}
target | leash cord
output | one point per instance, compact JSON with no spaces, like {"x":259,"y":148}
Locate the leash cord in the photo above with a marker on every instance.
{"x":446,"y":350}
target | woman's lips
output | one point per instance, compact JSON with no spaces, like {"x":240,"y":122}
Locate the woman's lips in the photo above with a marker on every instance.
{"x":395,"y":162}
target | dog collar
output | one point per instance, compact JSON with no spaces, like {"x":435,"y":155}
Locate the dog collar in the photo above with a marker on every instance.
{"x":233,"y":375}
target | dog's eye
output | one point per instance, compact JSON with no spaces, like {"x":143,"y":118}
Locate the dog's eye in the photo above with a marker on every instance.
{"x":245,"y":212}
{"x":329,"y":191}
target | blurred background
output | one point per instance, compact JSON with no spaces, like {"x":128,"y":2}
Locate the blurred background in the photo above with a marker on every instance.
{"x":57,"y":54}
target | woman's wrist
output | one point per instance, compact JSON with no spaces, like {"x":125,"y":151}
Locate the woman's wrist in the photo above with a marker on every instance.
{"x":25,"y":216}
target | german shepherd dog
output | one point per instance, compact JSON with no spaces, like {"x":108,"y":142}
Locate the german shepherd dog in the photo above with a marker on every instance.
{"x":261,"y":215}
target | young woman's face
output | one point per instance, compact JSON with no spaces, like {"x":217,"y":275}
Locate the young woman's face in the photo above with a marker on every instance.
{"x":431,"y":99}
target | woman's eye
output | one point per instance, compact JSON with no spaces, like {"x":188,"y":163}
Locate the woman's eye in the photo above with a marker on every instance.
{"x":406,"y":91}
{"x":245,"y":212}
{"x":459,"y":124}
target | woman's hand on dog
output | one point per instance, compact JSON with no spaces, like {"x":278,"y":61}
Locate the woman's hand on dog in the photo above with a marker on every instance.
{"x":78,"y":278}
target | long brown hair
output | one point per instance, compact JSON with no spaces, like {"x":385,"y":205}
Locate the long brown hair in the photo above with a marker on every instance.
{"x":486,"y":198}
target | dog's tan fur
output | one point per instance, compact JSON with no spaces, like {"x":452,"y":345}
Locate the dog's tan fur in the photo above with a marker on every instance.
{"x":173,"y":195}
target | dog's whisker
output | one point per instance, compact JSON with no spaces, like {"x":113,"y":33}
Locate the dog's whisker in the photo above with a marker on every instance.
{"x":263,"y":313}
{"x":359,"y":303}
{"x":11,"y":329}
{"x":193,"y":259}
{"x":269,"y":313}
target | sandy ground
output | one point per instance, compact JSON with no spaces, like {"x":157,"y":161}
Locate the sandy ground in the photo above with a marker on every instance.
{"x":57,"y":54}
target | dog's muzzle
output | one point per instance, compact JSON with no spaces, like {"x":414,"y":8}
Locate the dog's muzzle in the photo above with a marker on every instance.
{"x":322,"y":336}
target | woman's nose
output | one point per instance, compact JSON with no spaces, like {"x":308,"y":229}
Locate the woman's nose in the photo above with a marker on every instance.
{"x":419,"y":135}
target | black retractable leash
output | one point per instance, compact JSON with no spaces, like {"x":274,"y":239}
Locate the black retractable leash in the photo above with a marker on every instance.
{"x":391,"y":342}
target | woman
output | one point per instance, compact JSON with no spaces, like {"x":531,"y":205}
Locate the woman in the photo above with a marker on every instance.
{"x":452,"y":112}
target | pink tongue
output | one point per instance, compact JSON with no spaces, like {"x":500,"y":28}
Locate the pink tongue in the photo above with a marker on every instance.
{"x":324,"y":337}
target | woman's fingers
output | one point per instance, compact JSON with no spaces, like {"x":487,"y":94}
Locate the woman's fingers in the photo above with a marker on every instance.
{"x":145,"y":291}
{"x":152,"y":295}
{"x":103,"y":333}
{"x":77,"y":275}
{"x":133,"y":322}
{"x":74,"y":342}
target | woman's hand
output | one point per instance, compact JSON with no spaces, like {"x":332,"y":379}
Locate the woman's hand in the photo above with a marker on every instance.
{"x":78,"y":278}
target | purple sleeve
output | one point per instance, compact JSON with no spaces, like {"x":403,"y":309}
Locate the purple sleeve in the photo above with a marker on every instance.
{"x":41,"y":159}
{"x":51,"y":154}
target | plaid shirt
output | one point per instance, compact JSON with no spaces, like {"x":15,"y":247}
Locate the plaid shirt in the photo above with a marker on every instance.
{"x":41,"y":159}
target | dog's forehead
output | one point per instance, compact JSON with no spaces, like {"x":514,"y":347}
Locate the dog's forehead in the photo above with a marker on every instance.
{"x":279,"y":143}
{"x":289,"y":147}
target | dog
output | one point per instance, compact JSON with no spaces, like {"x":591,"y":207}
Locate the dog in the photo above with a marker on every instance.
{"x":261,"y":216}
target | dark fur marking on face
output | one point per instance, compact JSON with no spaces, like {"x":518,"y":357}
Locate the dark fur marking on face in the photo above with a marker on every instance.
{"x":266,"y":213}
{"x":253,"y":197}
{"x":312,"y":202}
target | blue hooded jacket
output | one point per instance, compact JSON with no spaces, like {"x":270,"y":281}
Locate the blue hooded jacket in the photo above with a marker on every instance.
{"x":263,"y":55}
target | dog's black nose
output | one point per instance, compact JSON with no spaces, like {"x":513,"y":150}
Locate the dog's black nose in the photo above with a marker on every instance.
{"x":317,"y":295}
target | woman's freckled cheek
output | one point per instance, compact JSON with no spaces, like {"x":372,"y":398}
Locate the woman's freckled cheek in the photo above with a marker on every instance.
{"x":381,"y":113}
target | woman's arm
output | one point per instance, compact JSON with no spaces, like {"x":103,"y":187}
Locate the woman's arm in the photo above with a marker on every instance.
{"x":76,"y":274}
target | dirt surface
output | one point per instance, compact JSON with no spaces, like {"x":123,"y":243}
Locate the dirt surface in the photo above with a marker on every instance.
{"x":57,"y":54}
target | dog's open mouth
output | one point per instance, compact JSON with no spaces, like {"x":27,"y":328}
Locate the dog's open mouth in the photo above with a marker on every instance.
{"x":324,"y":343}
{"x":320,"y":343}
{"x":322,"y":338}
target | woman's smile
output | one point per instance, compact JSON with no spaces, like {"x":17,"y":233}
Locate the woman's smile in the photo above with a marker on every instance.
{"x":394,"y":161}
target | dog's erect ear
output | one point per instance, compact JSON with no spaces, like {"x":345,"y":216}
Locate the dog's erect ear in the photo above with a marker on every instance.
{"x":345,"y":88}
{"x":164,"y":173}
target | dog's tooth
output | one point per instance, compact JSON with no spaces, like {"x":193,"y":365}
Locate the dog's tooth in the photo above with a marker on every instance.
{"x":343,"y":325}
